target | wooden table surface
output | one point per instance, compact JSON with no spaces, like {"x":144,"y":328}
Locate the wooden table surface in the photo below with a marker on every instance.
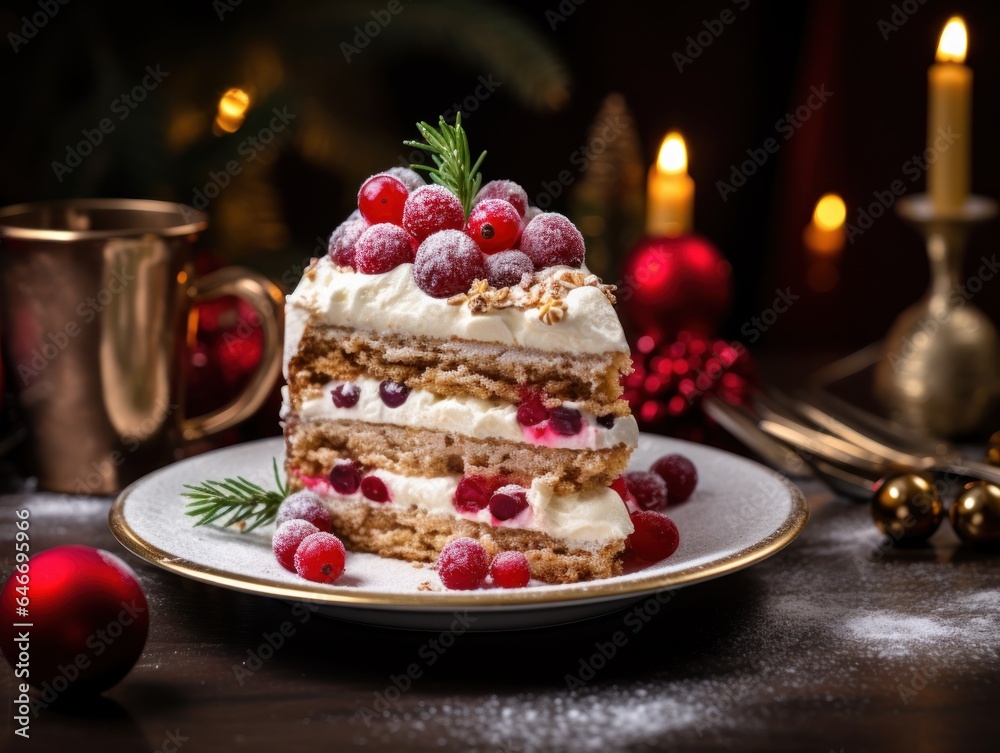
{"x":834,"y":644}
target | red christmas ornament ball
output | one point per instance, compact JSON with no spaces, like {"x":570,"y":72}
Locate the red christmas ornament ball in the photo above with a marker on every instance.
{"x":675,"y":284}
{"x":88,"y":621}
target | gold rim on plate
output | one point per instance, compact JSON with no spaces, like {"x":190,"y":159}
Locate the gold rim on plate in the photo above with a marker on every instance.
{"x":588,"y":591}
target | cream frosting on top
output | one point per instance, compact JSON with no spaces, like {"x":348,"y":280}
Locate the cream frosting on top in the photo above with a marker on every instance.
{"x":392,"y":302}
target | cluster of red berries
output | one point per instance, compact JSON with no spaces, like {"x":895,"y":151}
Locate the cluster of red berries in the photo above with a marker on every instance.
{"x":463,"y":566}
{"x":401,"y":219}
{"x":671,"y":480}
{"x":505,"y":500}
{"x":303,"y":543}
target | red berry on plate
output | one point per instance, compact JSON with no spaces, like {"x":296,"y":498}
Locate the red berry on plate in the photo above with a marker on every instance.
{"x":506,"y":268}
{"x":507,"y":190}
{"x":649,"y":490}
{"x":510,"y":570}
{"x":472,"y":494}
{"x":566,"y":421}
{"x":680,"y":475}
{"x":345,"y":478}
{"x":381,"y":199}
{"x":447,"y":264}
{"x":287,"y":538}
{"x":508,"y":502}
{"x":393,"y":394}
{"x":304,"y":505}
{"x":320,"y":558}
{"x":374,"y":489}
{"x":532,"y":408}
{"x":345,"y":238}
{"x":430,"y":209}
{"x":462,"y":565}
{"x":346,"y":395}
{"x":495,"y":225}
{"x":409,"y":178}
{"x":655,"y":536}
{"x":551,"y":239}
{"x":382,"y":248}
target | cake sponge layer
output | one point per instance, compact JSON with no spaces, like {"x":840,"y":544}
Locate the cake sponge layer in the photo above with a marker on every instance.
{"x":313,"y":447}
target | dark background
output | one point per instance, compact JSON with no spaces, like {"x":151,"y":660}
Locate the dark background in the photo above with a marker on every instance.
{"x":351,"y":118}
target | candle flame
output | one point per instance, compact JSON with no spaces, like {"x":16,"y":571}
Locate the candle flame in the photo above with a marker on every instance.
{"x":672,"y":159}
{"x":830,"y":212}
{"x":233,"y":106}
{"x":954,"y":42}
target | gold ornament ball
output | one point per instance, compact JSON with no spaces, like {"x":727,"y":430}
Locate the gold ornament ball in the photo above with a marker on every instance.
{"x":993,"y":453}
{"x":907,"y":507}
{"x":975,"y":515}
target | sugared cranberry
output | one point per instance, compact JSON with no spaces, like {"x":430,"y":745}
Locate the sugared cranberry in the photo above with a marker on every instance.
{"x":510,"y":570}
{"x":566,"y":421}
{"x":505,"y":269}
{"x":447,"y":263}
{"x":532,"y":409}
{"x":462,"y":565}
{"x":382,"y":198}
{"x":472,"y":494}
{"x":430,"y":209}
{"x":607,"y":421}
{"x":494,"y":225}
{"x":655,"y":536}
{"x":345,"y":478}
{"x":374,"y":488}
{"x":680,"y":475}
{"x":287,"y":538}
{"x":382,"y":248}
{"x":320,"y":558}
{"x":410,"y":178}
{"x":649,"y":490}
{"x":393,"y":393}
{"x":345,"y":238}
{"x":304,"y":505}
{"x":551,"y":239}
{"x":346,"y":395}
{"x":506,"y":190}
{"x":508,"y":501}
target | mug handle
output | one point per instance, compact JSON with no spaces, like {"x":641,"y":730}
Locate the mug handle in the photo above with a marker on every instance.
{"x":268,"y":301}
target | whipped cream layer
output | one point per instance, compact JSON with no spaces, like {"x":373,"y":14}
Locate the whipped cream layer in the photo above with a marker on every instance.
{"x":469,"y":416}
{"x":589,"y":519}
{"x":392,"y":302}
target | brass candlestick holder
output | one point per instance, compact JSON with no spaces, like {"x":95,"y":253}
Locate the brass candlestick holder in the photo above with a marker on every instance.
{"x":940,"y":365}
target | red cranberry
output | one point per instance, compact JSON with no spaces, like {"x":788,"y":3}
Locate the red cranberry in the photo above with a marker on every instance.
{"x":382,"y":198}
{"x":381,"y":249}
{"x":393,"y":394}
{"x":473,"y":494}
{"x":430,"y":209}
{"x":566,"y":421}
{"x":532,"y":409}
{"x":655,"y":537}
{"x":346,"y":395}
{"x":505,"y":269}
{"x":508,"y":501}
{"x":680,"y":475}
{"x":507,"y":190}
{"x":649,"y":490}
{"x":551,"y":239}
{"x":510,"y":570}
{"x":287,"y":538}
{"x":374,"y":489}
{"x":345,"y":238}
{"x":345,"y":478}
{"x":495,"y":225}
{"x":447,"y":263}
{"x":619,"y":486}
{"x":608,"y":421}
{"x":320,"y":558}
{"x":462,"y":565}
{"x":304,"y":505}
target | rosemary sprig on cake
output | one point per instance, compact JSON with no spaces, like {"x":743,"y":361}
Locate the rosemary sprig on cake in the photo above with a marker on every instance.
{"x":453,"y":167}
{"x":243,"y":501}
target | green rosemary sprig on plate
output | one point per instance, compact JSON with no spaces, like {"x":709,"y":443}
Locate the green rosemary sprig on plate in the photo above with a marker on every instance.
{"x":453,"y":167}
{"x":243,"y":501}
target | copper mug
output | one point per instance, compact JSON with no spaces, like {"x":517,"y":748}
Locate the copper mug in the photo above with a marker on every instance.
{"x":95,"y":297}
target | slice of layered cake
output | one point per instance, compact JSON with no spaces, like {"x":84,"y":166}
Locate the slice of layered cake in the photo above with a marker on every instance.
{"x":453,"y":371}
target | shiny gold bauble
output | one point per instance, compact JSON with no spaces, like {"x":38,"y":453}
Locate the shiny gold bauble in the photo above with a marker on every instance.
{"x":907,"y":507}
{"x":975,"y":515}
{"x":993,"y":453}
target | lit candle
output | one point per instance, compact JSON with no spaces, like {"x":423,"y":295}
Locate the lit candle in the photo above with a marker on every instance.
{"x":670,"y":197}
{"x":949,"y":120}
{"x":824,"y":235}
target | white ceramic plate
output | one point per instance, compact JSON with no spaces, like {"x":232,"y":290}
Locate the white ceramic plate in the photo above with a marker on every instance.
{"x":740,"y":514}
